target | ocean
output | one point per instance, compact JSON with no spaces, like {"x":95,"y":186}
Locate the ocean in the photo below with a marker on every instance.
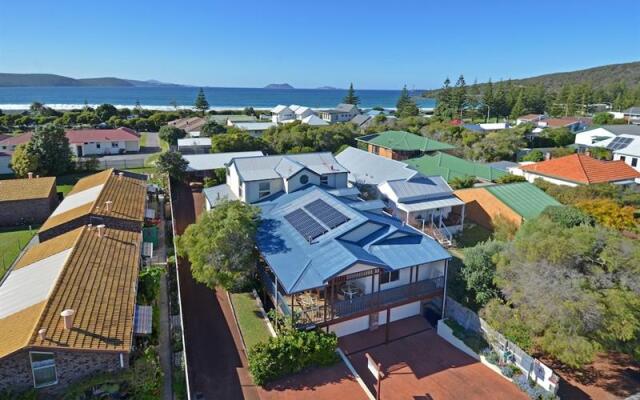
{"x":19,"y":98}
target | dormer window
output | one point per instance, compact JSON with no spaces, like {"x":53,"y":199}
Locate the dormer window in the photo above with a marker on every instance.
{"x":324,"y":179}
{"x":304,"y":179}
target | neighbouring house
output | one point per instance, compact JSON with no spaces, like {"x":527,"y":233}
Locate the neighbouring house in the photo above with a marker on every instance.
{"x":592,"y":136}
{"x":229,"y":119}
{"x":335,"y":267}
{"x":281,"y":113}
{"x":8,"y":145}
{"x":369,"y":170}
{"x":194,"y":145}
{"x":251,"y":179}
{"x":450,"y":167}
{"x":201,"y":165}
{"x":255,"y":129}
{"x":301,"y":112}
{"x":5,"y":163}
{"x":516,"y":202}
{"x":112,"y":198}
{"x":314,"y":120}
{"x":97,"y":142}
{"x":67,"y":309}
{"x":624,"y":148}
{"x":401,"y":145}
{"x":632,"y":114}
{"x":579,"y":169}
{"x":427,"y":203}
{"x":27,"y":201}
{"x":189,"y":124}
{"x":573,"y":124}
{"x":530,"y":119}
{"x":502,"y":165}
{"x":342,"y":113}
{"x":362,"y":121}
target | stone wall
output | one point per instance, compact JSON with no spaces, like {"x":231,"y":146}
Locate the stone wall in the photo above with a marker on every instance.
{"x":71,"y":366}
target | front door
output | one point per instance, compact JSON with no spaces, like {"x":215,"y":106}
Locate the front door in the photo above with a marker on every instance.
{"x":79,"y":151}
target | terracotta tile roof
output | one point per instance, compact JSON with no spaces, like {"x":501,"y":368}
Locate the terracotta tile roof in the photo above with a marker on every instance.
{"x":531,"y":117}
{"x":26,"y":189}
{"x":581,"y":168}
{"x":126,"y":193}
{"x":190,"y":124}
{"x":16,"y":140}
{"x":99,"y":283}
{"x":101,"y":135}
{"x":560,"y":122}
{"x":97,"y":280}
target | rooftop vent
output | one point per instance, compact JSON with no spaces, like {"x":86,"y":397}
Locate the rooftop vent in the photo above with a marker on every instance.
{"x":107,"y":205}
{"x":120,"y":175}
{"x":67,"y":318}
{"x":42,"y":333}
{"x":30,"y":175}
{"x":100,"y":230}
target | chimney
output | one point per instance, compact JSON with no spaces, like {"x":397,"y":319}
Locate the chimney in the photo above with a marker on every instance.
{"x":42,"y":333}
{"x":120,"y":175}
{"x":67,"y":318}
{"x":30,"y":175}
{"x":100,"y":229}
{"x":107,"y":205}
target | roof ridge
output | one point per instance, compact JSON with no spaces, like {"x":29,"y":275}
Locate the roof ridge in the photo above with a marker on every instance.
{"x":583,"y":167}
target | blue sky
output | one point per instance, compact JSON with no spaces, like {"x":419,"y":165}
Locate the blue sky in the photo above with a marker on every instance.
{"x":375,"y":44}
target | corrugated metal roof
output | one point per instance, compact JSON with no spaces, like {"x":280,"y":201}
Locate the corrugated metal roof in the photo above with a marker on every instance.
{"x":523,"y":197}
{"x":367,"y":205}
{"x":254,"y":126}
{"x":450,"y":167}
{"x":418,"y":187}
{"x":207,"y":162}
{"x":370,"y":169}
{"x":219,"y":193}
{"x":302,"y":265}
{"x":143,"y":320}
{"x":431,"y":204}
{"x":78,"y":199}
{"x":261,"y":168}
{"x":194,"y":141}
{"x":404,"y":141}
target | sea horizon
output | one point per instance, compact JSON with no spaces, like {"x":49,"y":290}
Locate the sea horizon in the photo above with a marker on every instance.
{"x":163,"y":98}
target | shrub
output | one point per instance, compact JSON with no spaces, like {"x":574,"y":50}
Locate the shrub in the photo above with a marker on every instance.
{"x":462,"y":183}
{"x":567,"y":216}
{"x":149,"y":284}
{"x":511,"y":370}
{"x":510,"y":179}
{"x":291,"y":352}
{"x":491,"y":356}
{"x":470,"y":338}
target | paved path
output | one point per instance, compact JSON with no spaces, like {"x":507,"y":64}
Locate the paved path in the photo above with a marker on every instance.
{"x":216,"y":365}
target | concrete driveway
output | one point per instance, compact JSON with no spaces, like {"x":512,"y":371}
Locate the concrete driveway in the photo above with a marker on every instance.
{"x":424,"y":366}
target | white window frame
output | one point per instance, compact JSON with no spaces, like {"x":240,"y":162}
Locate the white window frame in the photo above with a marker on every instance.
{"x":55,"y":368}
{"x":264,"y":192}
{"x":390,"y":275}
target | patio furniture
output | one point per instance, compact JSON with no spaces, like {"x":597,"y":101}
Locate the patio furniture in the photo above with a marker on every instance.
{"x":350,"y":290}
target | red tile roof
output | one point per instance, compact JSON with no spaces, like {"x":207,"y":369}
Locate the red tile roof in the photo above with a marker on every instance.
{"x":531,"y":117}
{"x":581,"y":168}
{"x":101,"y":135}
{"x":562,"y":122}
{"x":16,"y":140}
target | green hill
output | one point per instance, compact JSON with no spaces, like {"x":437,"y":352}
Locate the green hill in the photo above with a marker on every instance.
{"x":15,"y":80}
{"x":598,"y":77}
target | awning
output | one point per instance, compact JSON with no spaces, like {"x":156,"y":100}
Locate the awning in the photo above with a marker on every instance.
{"x":431,"y":204}
{"x":142,"y":321}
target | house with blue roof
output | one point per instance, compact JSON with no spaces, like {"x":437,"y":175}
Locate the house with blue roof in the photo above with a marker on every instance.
{"x":328,"y":258}
{"x":332,"y":265}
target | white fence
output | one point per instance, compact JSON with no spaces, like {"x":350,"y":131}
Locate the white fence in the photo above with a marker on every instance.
{"x":106,"y":163}
{"x":534,"y":368}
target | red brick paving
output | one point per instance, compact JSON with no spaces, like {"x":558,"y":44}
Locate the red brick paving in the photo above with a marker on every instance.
{"x":335,"y":382}
{"x":425,"y":366}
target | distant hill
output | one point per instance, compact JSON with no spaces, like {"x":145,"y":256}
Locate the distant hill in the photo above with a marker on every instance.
{"x":327,"y":88}
{"x":14,"y":80}
{"x":279,"y":86}
{"x":598,"y":77}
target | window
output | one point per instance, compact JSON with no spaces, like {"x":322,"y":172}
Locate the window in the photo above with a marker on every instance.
{"x":634,"y":162}
{"x":304,"y":179}
{"x":324,"y":180}
{"x":43,"y":367}
{"x":240,"y":191}
{"x":622,"y":158}
{"x":387,"y":277}
{"x":264,"y":189}
{"x":114,"y":144}
{"x":375,"y":149}
{"x":97,"y":145}
{"x":228,"y":172}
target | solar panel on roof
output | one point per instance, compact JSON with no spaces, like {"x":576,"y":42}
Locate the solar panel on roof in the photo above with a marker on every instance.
{"x":619,"y":143}
{"x":304,"y":224}
{"x":324,"y":212}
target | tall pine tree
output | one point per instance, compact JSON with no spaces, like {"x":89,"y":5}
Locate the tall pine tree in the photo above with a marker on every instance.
{"x":459,"y":98}
{"x":443,"y":107}
{"x":201,"y":103}
{"x":406,"y":107}
{"x":351,"y":97}
{"x":488,"y":100}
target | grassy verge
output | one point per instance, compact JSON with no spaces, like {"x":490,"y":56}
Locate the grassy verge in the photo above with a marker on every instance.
{"x":11,"y":243}
{"x":254,"y":330}
{"x":151,"y":160}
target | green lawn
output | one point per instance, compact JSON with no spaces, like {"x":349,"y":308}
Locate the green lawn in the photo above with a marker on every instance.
{"x":254,"y":329}
{"x":472,"y":235}
{"x":64,"y":183}
{"x":11,"y":243}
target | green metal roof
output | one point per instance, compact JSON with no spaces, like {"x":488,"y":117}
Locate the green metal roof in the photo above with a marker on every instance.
{"x":450,"y":167}
{"x":404,"y":141}
{"x":524,"y":198}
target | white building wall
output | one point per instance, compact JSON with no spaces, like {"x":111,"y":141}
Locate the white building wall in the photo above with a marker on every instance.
{"x":586,"y":138}
{"x":532,"y":177}
{"x":252,"y":189}
{"x":293,"y":183}
{"x":351,"y":326}
{"x":362,"y":323}
{"x":628,"y":160}
{"x":233,"y":180}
